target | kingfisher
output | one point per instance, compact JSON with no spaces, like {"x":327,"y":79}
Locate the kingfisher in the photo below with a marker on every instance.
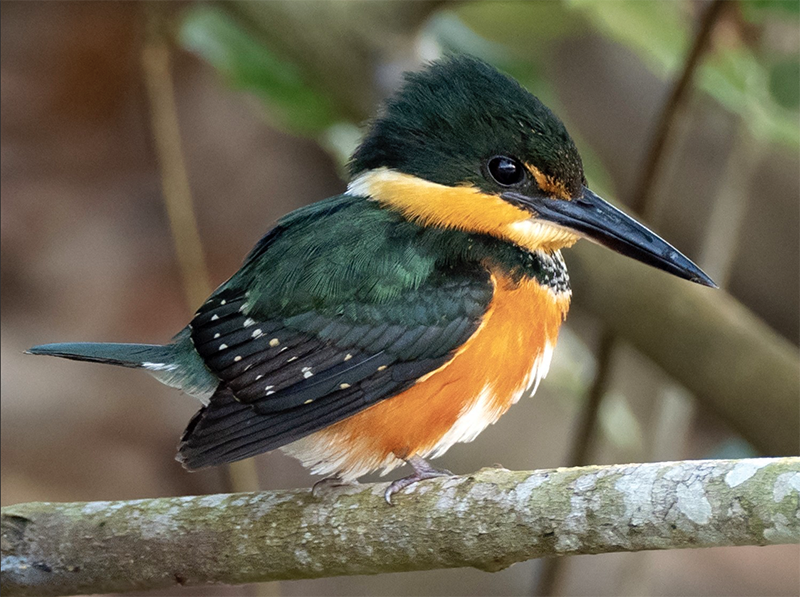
{"x":383,"y":325}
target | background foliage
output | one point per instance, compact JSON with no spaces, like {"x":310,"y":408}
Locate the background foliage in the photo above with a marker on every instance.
{"x":271,"y":97}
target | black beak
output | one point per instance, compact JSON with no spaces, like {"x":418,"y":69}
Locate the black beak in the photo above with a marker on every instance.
{"x":599,"y":221}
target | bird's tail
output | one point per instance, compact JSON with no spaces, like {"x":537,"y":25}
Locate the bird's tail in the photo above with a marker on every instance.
{"x":148,"y":356}
{"x":176,"y":364}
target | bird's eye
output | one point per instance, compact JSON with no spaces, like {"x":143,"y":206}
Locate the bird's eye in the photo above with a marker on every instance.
{"x":506,"y":171}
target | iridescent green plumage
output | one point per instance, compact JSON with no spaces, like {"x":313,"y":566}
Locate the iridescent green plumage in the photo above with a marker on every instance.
{"x":452,"y":116}
{"x":305,"y":342}
{"x":348,"y":302}
{"x":349,"y":250}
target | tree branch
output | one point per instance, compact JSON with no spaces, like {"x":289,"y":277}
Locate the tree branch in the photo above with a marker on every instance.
{"x":157,"y":74}
{"x":708,"y":341}
{"x":488,"y":520}
{"x":673,"y":106}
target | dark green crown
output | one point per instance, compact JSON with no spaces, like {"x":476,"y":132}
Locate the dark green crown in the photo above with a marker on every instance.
{"x":449,"y":119}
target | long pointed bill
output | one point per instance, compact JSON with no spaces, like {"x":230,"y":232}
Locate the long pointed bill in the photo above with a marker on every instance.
{"x":599,"y":221}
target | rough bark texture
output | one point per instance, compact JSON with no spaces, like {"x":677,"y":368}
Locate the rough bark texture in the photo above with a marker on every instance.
{"x":488,"y":520}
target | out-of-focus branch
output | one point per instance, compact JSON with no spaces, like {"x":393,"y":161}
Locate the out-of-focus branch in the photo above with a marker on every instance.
{"x":705,"y":339}
{"x":243,"y":476}
{"x":338,"y":45}
{"x":488,"y":520}
{"x":586,"y":426}
{"x":673,"y":106}
{"x":174,"y":180}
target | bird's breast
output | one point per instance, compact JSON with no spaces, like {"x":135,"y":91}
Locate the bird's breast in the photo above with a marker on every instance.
{"x":508,"y":354}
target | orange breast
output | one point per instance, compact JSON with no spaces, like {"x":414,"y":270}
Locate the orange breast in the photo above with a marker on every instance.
{"x":509,"y":352}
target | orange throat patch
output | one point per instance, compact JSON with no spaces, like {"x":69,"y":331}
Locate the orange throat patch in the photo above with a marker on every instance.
{"x":462,"y":208}
{"x":507,"y":355}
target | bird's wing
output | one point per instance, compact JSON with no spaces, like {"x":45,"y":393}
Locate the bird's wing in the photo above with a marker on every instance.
{"x":287,"y":377}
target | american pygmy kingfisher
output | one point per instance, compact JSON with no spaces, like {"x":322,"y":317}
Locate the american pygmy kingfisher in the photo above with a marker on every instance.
{"x":390,"y":322}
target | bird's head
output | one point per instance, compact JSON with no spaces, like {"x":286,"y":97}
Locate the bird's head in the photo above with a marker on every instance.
{"x":464,"y":146}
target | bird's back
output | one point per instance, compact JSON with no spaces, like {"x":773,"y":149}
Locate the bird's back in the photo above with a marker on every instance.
{"x":378,"y":308}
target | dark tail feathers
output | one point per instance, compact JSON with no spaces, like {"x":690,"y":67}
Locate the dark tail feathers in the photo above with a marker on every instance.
{"x":125,"y":355}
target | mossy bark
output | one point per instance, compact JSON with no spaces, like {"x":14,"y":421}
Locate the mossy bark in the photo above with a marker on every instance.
{"x":487,"y":520}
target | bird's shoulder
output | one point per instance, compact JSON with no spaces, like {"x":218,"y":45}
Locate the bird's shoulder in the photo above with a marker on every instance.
{"x":346,"y":325}
{"x":346,"y":251}
{"x":331,"y":286}
{"x":342,"y":305}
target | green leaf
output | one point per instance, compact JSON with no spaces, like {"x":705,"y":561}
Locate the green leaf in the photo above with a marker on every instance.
{"x":757,"y":11}
{"x":656,"y":31}
{"x":525,"y":27}
{"x":792,"y":6}
{"x":250,"y":66}
{"x":784,"y":83}
{"x":734,"y":76}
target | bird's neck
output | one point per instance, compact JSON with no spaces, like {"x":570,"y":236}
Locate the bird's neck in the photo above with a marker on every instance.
{"x":464,"y":208}
{"x":461,"y":224}
{"x":452,"y":247}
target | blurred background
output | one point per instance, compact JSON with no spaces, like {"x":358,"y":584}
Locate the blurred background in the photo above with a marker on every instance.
{"x":146,"y":148}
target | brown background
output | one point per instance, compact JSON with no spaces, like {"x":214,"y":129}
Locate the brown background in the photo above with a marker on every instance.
{"x":87,"y":255}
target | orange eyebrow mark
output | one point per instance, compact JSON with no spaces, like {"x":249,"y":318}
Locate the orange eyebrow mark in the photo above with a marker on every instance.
{"x":551,"y":186}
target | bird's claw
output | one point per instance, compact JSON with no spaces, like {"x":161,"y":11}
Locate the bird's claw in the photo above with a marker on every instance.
{"x":329,"y":484}
{"x":422,"y":471}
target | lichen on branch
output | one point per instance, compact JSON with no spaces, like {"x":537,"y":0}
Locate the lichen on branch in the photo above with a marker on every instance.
{"x":486,"y":520}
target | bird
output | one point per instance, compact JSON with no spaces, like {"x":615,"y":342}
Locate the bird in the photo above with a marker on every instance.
{"x":386,"y":324}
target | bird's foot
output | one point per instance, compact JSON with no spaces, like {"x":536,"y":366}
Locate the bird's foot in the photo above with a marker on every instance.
{"x":329,"y":485}
{"x":422,"y":470}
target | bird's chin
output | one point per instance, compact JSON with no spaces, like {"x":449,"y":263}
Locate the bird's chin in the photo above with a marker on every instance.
{"x":537,"y":235}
